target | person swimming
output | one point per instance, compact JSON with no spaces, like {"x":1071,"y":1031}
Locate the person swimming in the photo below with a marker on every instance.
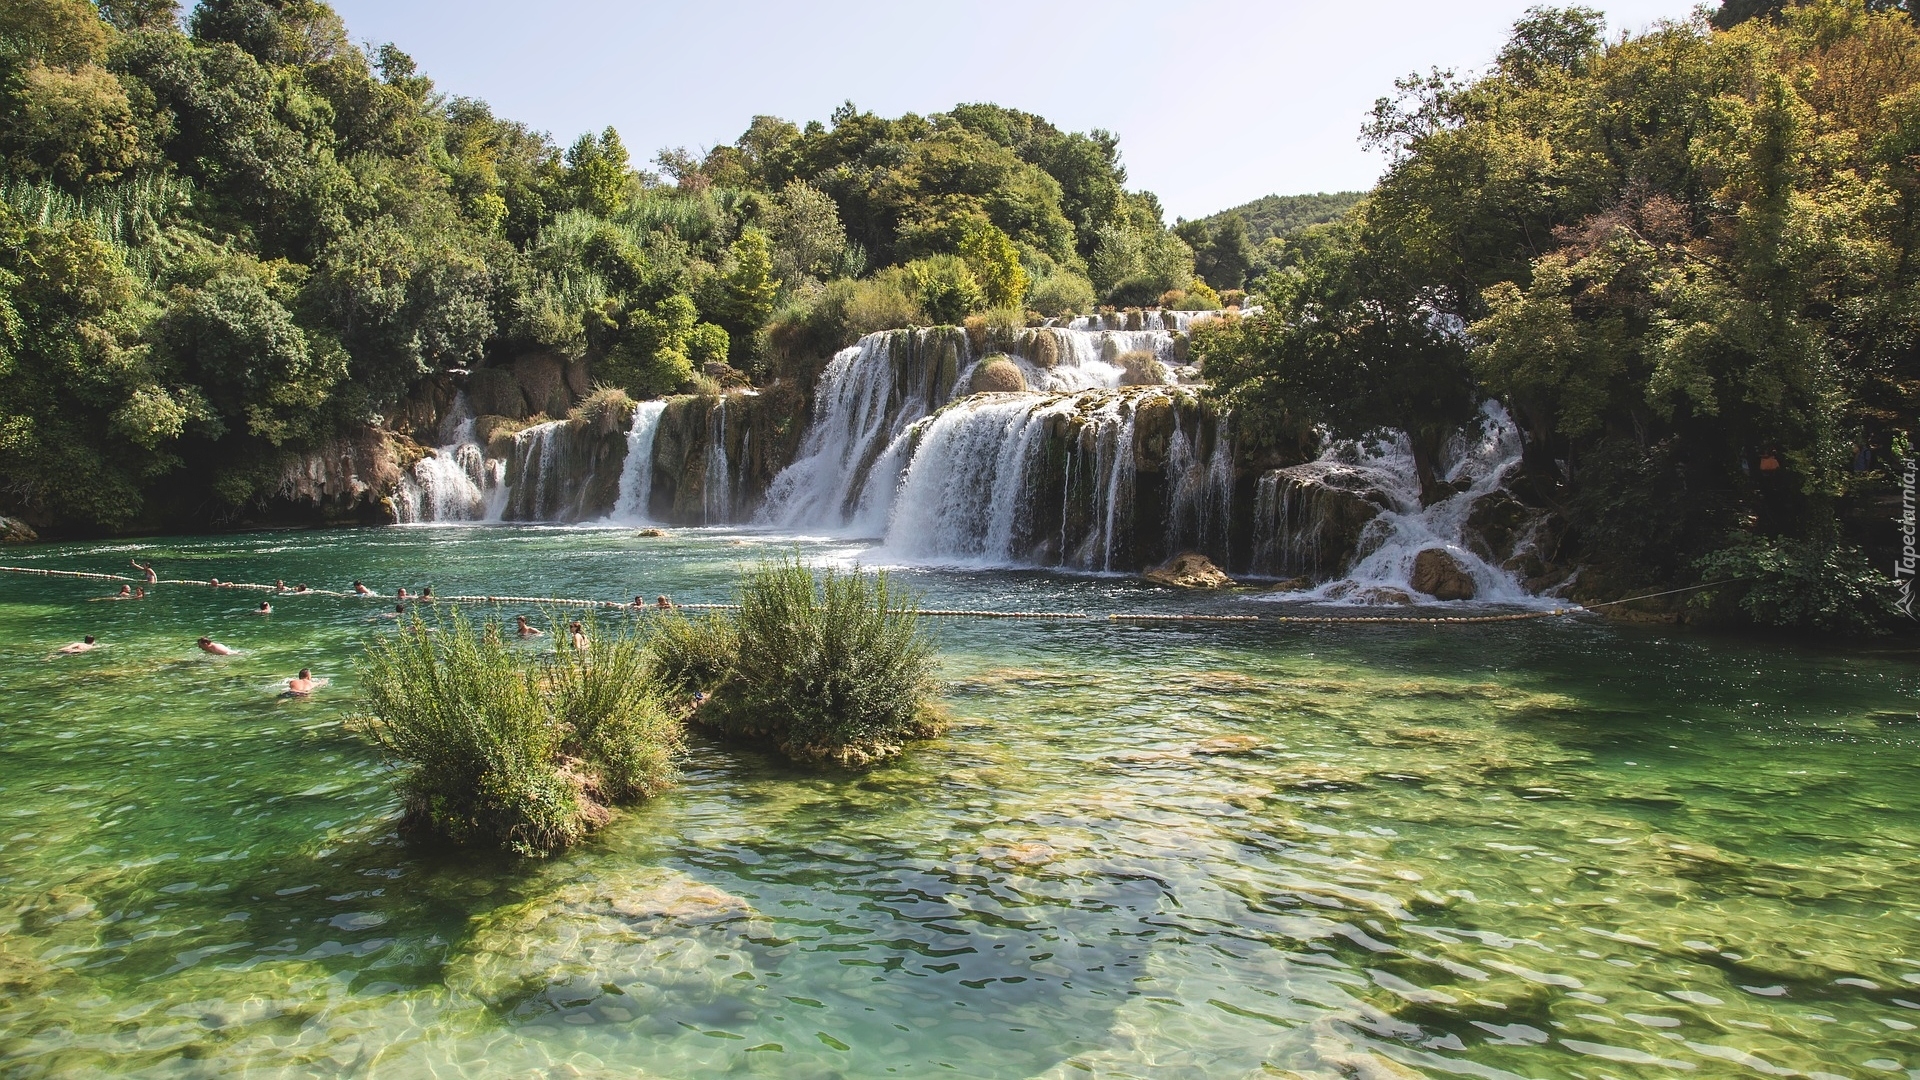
{"x":125,"y":593}
{"x":147,"y":569}
{"x":86,"y":645}
{"x":208,"y":645}
{"x":304,"y":684}
{"x":139,"y":593}
{"x":216,"y":583}
{"x":359,"y":589}
{"x":578,"y":636}
{"x":279,"y":586}
{"x":398,"y":611}
{"x":264,"y":608}
{"x":663,"y":604}
{"x":402,"y":594}
{"x":525,"y":628}
{"x":426,"y":593}
{"x":639,"y":601}
{"x":302,"y":587}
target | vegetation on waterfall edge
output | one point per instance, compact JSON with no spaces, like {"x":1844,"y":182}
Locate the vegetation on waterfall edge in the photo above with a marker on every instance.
{"x":823,"y":665}
{"x":498,"y":745}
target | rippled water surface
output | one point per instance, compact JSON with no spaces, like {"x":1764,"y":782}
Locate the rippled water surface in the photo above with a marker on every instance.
{"x":1541,"y":849}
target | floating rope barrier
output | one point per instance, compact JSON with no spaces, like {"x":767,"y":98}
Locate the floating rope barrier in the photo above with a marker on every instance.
{"x":940,"y":613}
{"x":1183,"y":618}
{"x":959,"y":614}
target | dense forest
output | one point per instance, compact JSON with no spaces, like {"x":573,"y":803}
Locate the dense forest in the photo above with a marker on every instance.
{"x":1683,"y":262}
{"x":228,"y":237}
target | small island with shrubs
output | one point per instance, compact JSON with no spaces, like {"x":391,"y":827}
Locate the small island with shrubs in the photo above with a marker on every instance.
{"x":497,"y":743}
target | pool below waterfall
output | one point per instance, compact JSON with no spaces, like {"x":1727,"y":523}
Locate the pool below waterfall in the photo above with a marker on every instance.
{"x":1554,"y":848}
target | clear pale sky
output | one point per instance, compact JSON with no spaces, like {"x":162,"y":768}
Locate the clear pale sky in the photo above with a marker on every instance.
{"x":1215,"y":104}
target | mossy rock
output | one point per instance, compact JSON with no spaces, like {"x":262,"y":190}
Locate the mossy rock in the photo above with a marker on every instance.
{"x":495,"y":392}
{"x":1141,"y":368}
{"x":996,"y":375}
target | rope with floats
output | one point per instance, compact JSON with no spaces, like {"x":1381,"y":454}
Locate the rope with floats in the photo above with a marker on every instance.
{"x":937,"y":613}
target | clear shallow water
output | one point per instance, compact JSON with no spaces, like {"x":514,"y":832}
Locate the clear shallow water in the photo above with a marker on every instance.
{"x":1544,"y":849}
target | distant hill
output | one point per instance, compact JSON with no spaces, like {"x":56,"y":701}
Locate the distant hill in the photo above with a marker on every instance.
{"x":1284,"y":215}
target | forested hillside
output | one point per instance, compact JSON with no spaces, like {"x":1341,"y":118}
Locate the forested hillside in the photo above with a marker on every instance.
{"x":1682,"y":260}
{"x":228,"y":237}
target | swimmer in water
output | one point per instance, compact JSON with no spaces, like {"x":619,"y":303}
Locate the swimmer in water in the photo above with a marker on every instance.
{"x":302,"y":587}
{"x":147,"y":569}
{"x":360,"y":589}
{"x":139,"y":593}
{"x":215,"y":582}
{"x":304,"y":684}
{"x":208,"y":645}
{"x":525,"y":628}
{"x":639,"y":601}
{"x":125,"y":593}
{"x":663,"y":604}
{"x":397,"y":612}
{"x":578,"y":636}
{"x":426,"y":593}
{"x":86,"y":645}
{"x":279,"y":585}
{"x":264,"y":608}
{"x":402,"y":594}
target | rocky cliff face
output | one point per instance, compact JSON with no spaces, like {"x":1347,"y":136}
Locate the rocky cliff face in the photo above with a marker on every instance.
{"x":715,"y":455}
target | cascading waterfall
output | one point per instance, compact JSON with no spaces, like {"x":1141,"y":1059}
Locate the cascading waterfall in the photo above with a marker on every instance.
{"x":717,"y":494}
{"x":636,"y":470}
{"x":535,"y":489}
{"x":1298,"y":514}
{"x":454,"y":481}
{"x":869,"y":431}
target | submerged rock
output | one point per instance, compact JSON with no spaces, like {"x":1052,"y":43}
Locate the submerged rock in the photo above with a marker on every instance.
{"x":609,"y":929}
{"x":1441,"y":576}
{"x":1188,"y":570}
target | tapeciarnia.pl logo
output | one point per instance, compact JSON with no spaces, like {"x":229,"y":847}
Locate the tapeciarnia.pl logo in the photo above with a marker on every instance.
{"x":1903,"y":567}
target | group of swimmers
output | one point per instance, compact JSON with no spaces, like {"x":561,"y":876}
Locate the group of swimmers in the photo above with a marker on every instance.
{"x":305,"y":684}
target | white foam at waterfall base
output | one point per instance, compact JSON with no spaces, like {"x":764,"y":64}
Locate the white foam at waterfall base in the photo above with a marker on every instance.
{"x":454,"y":481}
{"x":636,"y":472}
{"x":1383,"y":565}
{"x":961,"y":496}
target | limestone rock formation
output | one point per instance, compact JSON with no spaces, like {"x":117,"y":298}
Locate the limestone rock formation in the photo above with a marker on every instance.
{"x":1188,"y":570}
{"x":15,"y":531}
{"x":1141,"y":368}
{"x":1441,"y":576}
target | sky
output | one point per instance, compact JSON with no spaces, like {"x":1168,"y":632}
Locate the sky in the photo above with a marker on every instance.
{"x":1215,"y":104}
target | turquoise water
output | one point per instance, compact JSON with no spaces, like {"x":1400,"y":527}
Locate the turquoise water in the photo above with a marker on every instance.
{"x":1545,"y":849}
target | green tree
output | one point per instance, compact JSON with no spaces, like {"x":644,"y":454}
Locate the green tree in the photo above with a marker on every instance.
{"x":995,"y":263}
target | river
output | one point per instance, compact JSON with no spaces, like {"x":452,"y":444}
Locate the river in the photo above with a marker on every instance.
{"x":1556,"y":848}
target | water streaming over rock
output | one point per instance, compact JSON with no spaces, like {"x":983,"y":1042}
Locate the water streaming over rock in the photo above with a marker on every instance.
{"x":454,"y":481}
{"x":636,"y":471}
{"x":1355,"y":515}
{"x":964,"y":484}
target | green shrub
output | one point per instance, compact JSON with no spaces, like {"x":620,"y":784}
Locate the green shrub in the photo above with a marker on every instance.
{"x":826,"y":666}
{"x":693,"y":654}
{"x":496,"y":747}
{"x":1061,"y":294}
{"x":946,"y":288}
{"x":1818,"y":585}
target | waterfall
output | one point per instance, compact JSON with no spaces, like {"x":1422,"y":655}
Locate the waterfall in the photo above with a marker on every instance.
{"x":636,"y":470}
{"x":872,"y":399}
{"x":717,"y":490}
{"x":1041,"y":480}
{"x":1364,"y":497}
{"x":454,"y":481}
{"x":536,"y":484}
